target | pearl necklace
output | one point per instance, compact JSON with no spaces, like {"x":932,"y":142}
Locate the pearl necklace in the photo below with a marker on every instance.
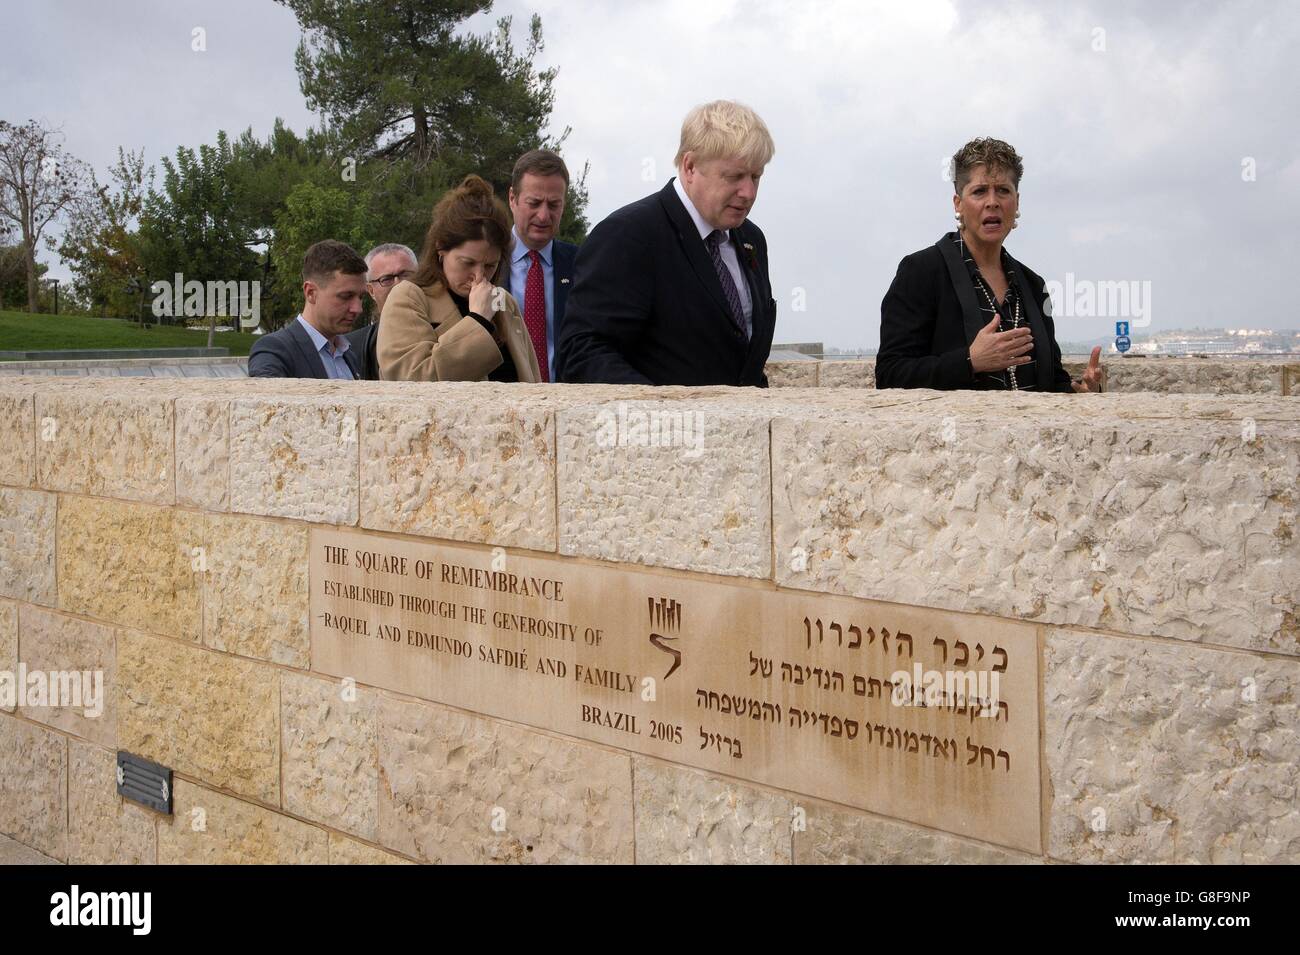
{"x":1015,"y":323}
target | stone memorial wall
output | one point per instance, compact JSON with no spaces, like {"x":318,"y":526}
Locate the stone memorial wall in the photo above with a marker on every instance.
{"x":1190,"y":376}
{"x":476,"y":622}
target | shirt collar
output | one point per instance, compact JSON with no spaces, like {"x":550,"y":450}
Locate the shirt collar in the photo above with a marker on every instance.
{"x":521,"y":250}
{"x":694,"y":213}
{"x":341,"y":343}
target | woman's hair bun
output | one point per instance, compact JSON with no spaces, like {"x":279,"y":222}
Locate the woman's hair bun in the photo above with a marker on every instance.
{"x":473,"y":187}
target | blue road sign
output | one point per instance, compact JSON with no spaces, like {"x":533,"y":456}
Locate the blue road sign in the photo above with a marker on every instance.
{"x":1123,"y":343}
{"x":1121,"y":329}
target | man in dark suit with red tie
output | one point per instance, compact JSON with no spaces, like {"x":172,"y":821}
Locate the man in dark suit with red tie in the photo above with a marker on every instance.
{"x":540,"y":270}
{"x":674,"y":289}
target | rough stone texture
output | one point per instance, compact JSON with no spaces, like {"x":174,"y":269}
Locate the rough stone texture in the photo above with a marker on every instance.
{"x":107,"y":444}
{"x":1161,"y":748}
{"x":103,"y":828}
{"x":1291,"y":380}
{"x":792,"y":374}
{"x":1194,"y":376}
{"x":1168,"y":527}
{"x":8,"y":645}
{"x":834,"y":836}
{"x":294,"y":458}
{"x":27,"y":545}
{"x":698,"y":500}
{"x":330,"y":767}
{"x":13,"y":852}
{"x":460,"y":471}
{"x":848,"y":374}
{"x":255,"y":590}
{"x":685,"y":816}
{"x":34,"y":786}
{"x":203,"y":453}
{"x":345,"y":851}
{"x":445,"y":777}
{"x":209,"y":828}
{"x":205,"y":714}
{"x":17,"y":436}
{"x":53,"y":643}
{"x":131,"y":564}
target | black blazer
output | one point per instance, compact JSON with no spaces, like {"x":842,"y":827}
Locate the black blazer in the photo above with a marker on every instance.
{"x":362,"y":348}
{"x":647,"y":306}
{"x":563,"y":255}
{"x":289,"y":353}
{"x":929,"y":318}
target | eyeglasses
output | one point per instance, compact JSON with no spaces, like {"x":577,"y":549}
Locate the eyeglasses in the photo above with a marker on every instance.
{"x":384,"y":281}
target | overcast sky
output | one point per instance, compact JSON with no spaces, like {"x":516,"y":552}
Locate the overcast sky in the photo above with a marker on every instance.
{"x":1161,"y":143}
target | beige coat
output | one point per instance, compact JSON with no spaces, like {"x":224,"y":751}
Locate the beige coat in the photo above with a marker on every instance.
{"x":423,"y":337}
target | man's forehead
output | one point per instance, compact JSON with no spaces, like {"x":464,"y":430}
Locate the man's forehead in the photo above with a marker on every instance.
{"x":386,"y":262}
{"x":541,"y":186}
{"x":732,"y":165}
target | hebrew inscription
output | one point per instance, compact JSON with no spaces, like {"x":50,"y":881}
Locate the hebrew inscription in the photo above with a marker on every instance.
{"x":919,"y":714}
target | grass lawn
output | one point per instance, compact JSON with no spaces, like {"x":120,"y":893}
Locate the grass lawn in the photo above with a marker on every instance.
{"x":20,"y":331}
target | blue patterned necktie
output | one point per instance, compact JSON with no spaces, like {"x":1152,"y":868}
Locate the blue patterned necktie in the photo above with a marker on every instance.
{"x":714,"y":241}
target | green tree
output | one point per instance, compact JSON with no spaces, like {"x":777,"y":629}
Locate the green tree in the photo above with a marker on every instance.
{"x":101,"y":245}
{"x":402,"y":87}
{"x":13,"y":275}
{"x":39,"y":185}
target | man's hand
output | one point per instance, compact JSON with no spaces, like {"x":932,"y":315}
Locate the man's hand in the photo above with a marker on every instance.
{"x":993,"y":350}
{"x":1091,"y":380}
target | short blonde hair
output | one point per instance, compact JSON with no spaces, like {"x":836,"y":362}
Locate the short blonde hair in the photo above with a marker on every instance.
{"x":726,"y":130}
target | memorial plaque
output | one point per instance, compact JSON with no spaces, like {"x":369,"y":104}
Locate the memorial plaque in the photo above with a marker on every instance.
{"x":924,"y":715}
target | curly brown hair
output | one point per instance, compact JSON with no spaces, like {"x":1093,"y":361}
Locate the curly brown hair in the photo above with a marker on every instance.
{"x":988,"y":152}
{"x":467,"y":213}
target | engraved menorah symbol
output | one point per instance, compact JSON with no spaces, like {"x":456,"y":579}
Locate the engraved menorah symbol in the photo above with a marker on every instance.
{"x":665,"y":614}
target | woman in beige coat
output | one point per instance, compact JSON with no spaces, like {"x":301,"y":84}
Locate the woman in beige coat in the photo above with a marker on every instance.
{"x":450,"y":322}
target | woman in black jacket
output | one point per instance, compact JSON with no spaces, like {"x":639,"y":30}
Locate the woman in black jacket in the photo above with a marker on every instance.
{"x":963,"y":313}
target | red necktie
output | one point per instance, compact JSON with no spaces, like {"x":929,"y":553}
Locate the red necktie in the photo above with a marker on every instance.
{"x":535,"y":311}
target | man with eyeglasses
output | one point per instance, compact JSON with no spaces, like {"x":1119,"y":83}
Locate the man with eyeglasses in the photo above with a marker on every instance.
{"x":386,"y":265}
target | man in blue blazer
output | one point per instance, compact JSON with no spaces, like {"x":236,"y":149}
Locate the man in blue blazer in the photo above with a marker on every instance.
{"x":314,"y":345}
{"x":540,"y":270}
{"x":674,"y":289}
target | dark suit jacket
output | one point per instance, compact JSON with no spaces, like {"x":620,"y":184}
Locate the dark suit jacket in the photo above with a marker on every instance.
{"x":647,"y":306}
{"x":362,"y":348}
{"x":563,"y":255}
{"x":289,"y":353}
{"x":929,"y":317}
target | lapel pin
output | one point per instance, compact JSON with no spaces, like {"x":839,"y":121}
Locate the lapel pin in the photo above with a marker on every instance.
{"x":564,"y":281}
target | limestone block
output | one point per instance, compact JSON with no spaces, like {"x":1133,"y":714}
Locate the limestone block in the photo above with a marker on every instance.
{"x":8,"y":647}
{"x":27,"y":534}
{"x":683,"y":484}
{"x":255,"y":589}
{"x":103,"y":828}
{"x":848,"y":373}
{"x":792,"y":374}
{"x":205,"y":714}
{"x":208,"y":828}
{"x":834,"y":836}
{"x":203,"y":452}
{"x":459,"y":788}
{"x":131,"y":564}
{"x":78,"y":660}
{"x":685,"y":816}
{"x":13,"y":852}
{"x":345,"y":851}
{"x":17,"y":436}
{"x":460,"y":471}
{"x":294,"y":457}
{"x":330,"y":766}
{"x":1169,"y":526}
{"x":1194,"y":376}
{"x":34,"y":786}
{"x":1159,"y":752}
{"x":107,"y":443}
